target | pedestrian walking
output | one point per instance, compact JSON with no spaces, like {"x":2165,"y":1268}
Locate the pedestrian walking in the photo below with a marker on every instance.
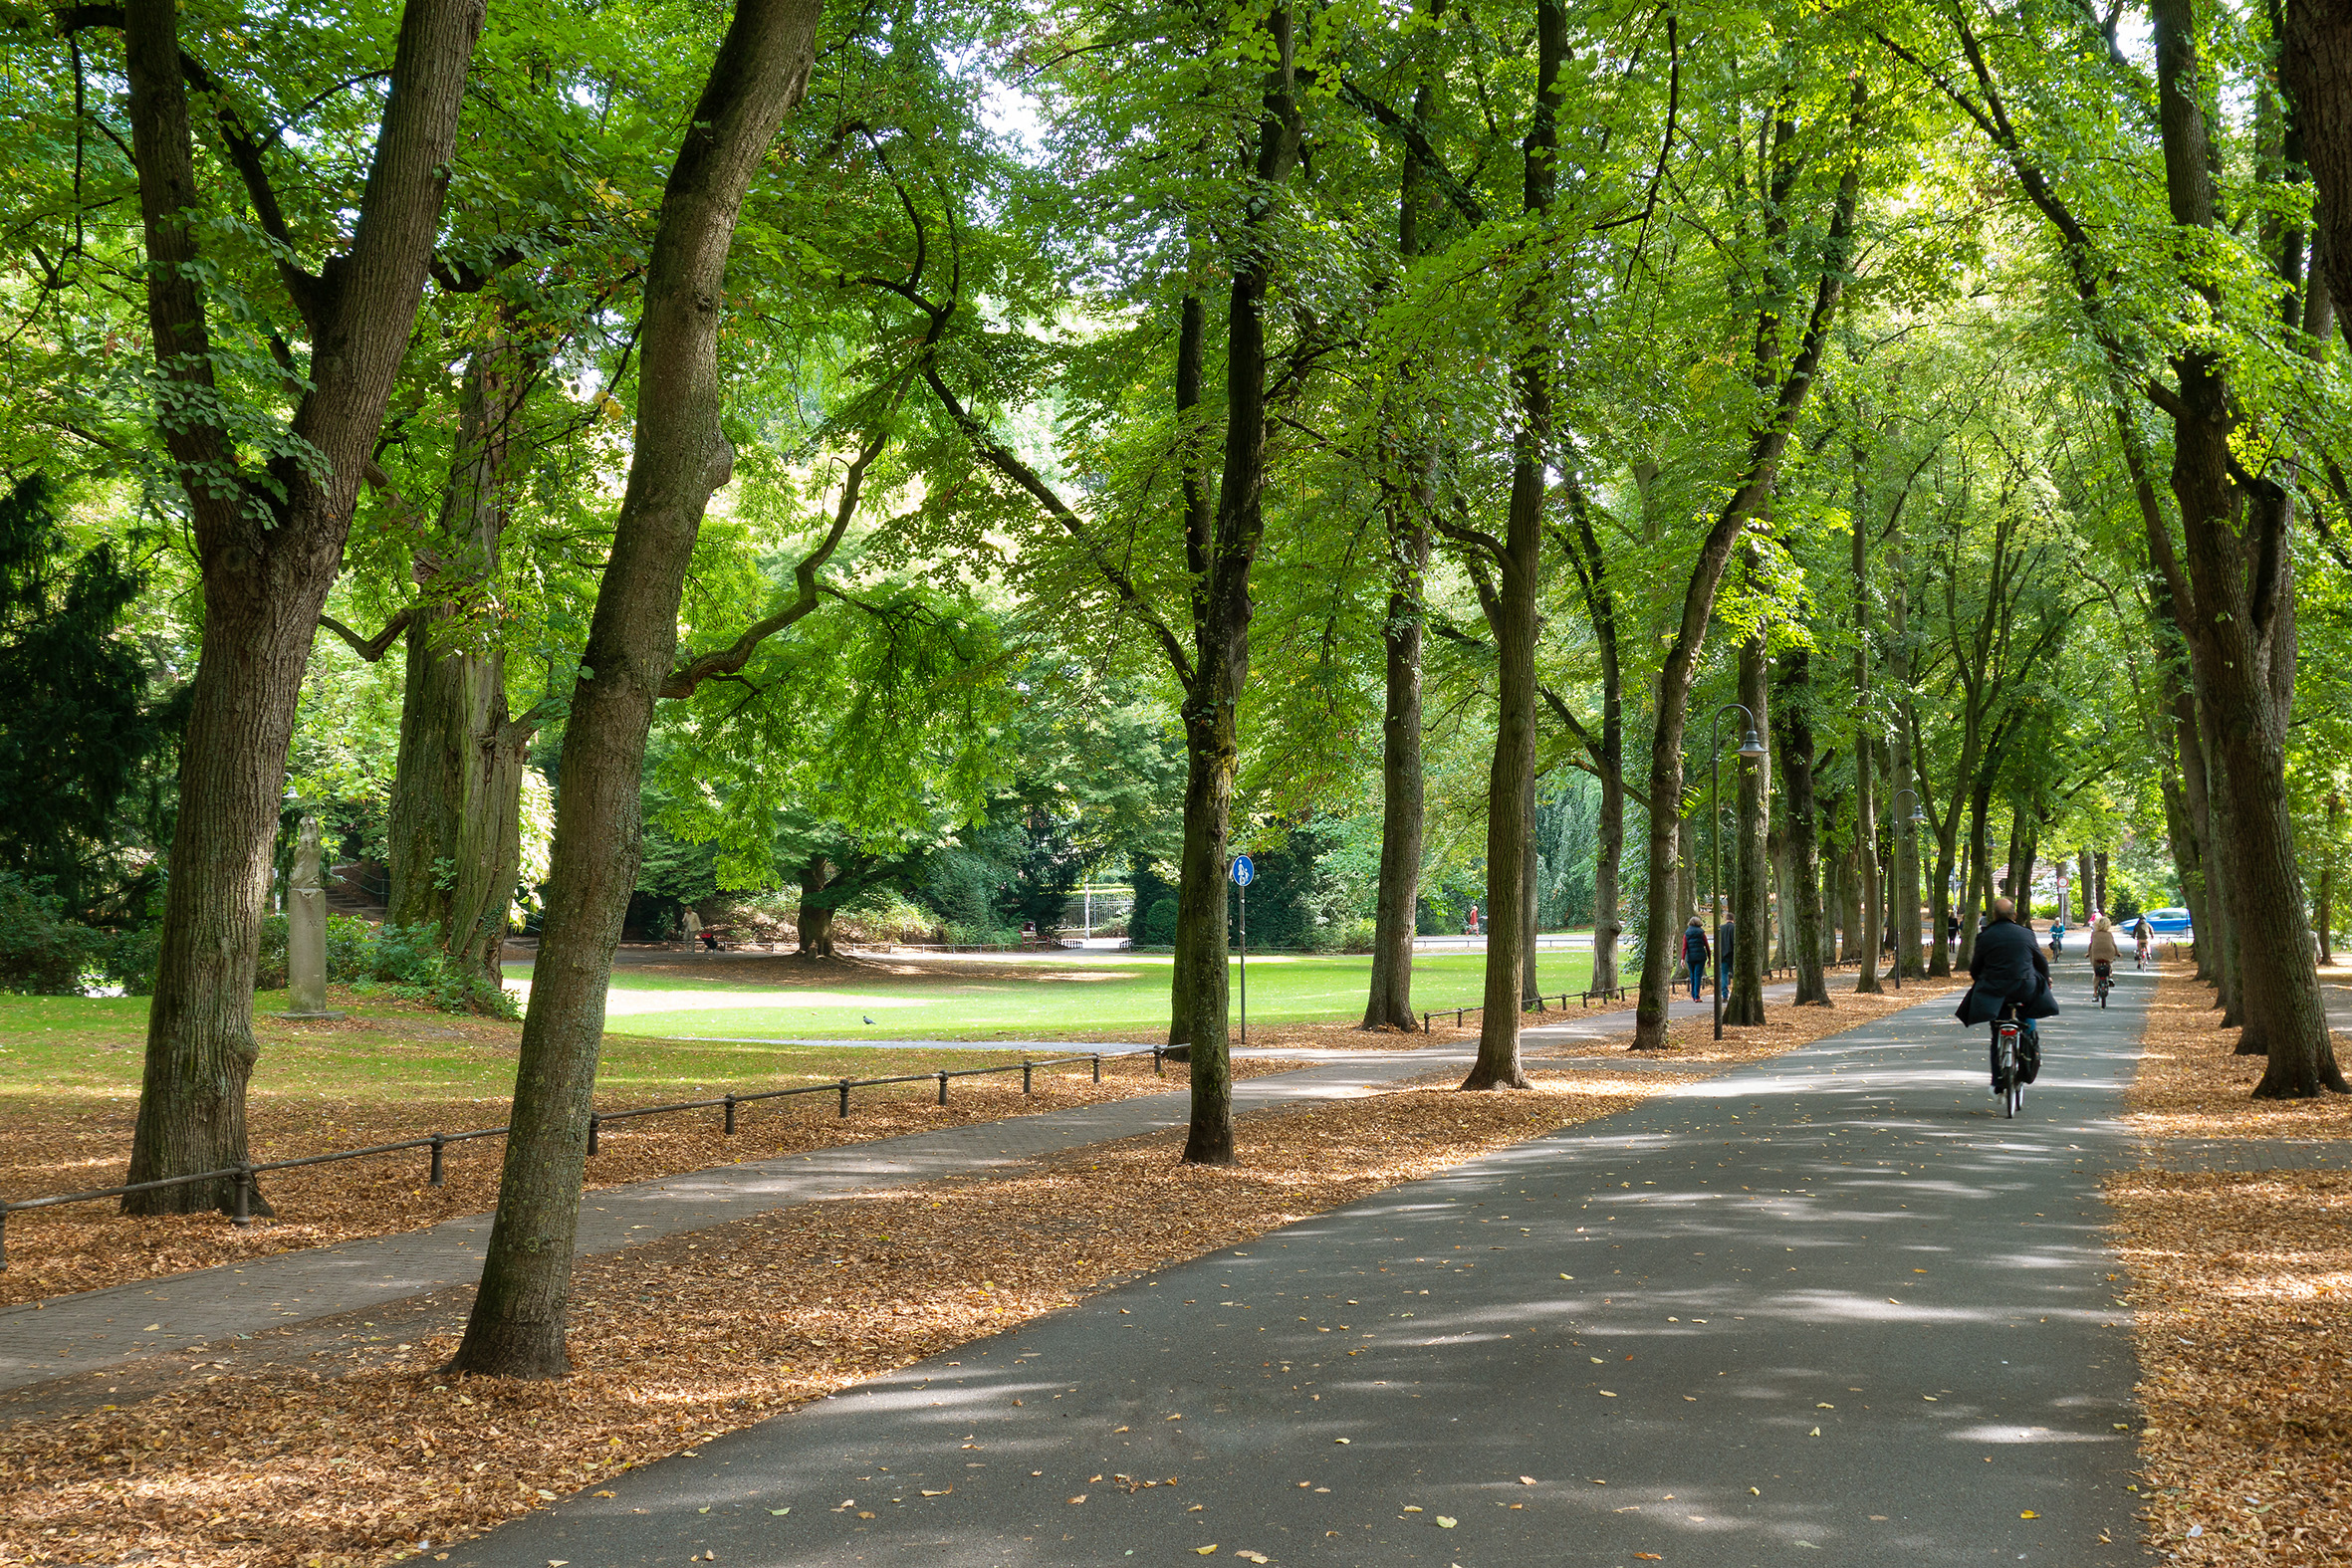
{"x":1723,"y":952}
{"x":1693,"y":953}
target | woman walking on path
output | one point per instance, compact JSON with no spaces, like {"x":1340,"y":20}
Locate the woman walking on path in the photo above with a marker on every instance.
{"x":1693,"y":953}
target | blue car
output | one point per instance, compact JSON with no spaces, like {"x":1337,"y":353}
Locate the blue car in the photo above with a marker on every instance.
{"x":2168,"y":921}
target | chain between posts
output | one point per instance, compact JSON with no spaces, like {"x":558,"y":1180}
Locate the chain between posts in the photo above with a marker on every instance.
{"x":245,"y":1179}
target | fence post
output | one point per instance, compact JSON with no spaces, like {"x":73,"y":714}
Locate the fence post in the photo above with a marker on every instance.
{"x":943,"y":1088}
{"x":437,"y":1145}
{"x":3,"y":1238}
{"x":594,"y":1121}
{"x":730,"y":1115}
{"x":1157,"y":1070}
{"x":845,"y":1097}
{"x":1026,"y":1068}
{"x":1098,"y":1066}
{"x":243,"y":1212}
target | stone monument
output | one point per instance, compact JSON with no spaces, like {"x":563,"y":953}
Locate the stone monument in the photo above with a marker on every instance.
{"x":306,"y":930}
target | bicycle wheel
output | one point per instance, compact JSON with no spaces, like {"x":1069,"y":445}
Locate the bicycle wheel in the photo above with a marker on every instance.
{"x":2016,"y":1098}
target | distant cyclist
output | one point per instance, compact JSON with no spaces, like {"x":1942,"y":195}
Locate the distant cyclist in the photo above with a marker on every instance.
{"x":2057,"y":938}
{"x":2142,"y":933}
{"x":2008,"y":973}
{"x":2102,"y":951}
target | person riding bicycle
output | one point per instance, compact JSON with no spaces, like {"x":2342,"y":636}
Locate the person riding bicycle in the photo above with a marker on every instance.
{"x":2142,"y":933}
{"x":2008,"y":973}
{"x":2057,"y":937}
{"x":2103,"y":949}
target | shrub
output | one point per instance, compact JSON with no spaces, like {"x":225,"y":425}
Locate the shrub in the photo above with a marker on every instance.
{"x":129,"y":959}
{"x":1356,"y":936}
{"x":405,"y":960}
{"x":41,"y":951}
{"x":1159,"y":923}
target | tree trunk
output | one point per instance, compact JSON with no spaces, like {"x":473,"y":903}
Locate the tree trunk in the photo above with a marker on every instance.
{"x":2315,"y":68}
{"x":1200,"y":748}
{"x":2099,"y":879}
{"x":455,"y":810}
{"x":813,"y":917}
{"x":1222,"y":622}
{"x":1906,"y":798}
{"x":1976,"y":889}
{"x":1745,"y":1001}
{"x":679,"y":456}
{"x":1512,"y":614}
{"x":1390,"y":1004}
{"x":1681,"y":665}
{"x":1866,"y":818}
{"x":268,"y":545}
{"x":2327,"y":879}
{"x":1792,"y":731}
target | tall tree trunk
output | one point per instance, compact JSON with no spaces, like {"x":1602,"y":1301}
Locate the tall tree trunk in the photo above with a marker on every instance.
{"x":1907,"y":799}
{"x":1681,"y":665}
{"x":1976,"y":889}
{"x":2315,"y":68}
{"x":1390,"y":1004}
{"x":454,"y":831}
{"x":1408,"y":479}
{"x":269,"y":540}
{"x":2327,"y":879}
{"x":2099,"y":879}
{"x":679,"y":456}
{"x":1512,"y":614}
{"x":1866,"y":867}
{"x":1753,"y":946}
{"x":2241,"y":633}
{"x":1222,"y":625}
{"x":1793,"y":730}
{"x":1200,"y":740}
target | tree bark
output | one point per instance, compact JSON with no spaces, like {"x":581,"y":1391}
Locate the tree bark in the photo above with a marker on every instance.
{"x":1866,"y":867}
{"x":1793,"y":730}
{"x":2327,"y":879}
{"x":1680,"y":668}
{"x":455,"y":811}
{"x":2315,"y":68}
{"x":679,"y":457}
{"x":1222,"y":623}
{"x":1511,"y":613}
{"x":269,"y":540}
{"x":813,"y":917}
{"x":1200,"y":742}
{"x":2241,"y":633}
{"x":1743,"y":1004}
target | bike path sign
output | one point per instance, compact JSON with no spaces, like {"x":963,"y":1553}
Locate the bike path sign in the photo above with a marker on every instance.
{"x":1243,"y":873}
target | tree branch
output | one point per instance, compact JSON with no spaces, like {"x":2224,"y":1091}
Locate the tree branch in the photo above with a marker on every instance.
{"x":371,"y":648}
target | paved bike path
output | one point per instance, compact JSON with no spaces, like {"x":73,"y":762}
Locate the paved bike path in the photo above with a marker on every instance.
{"x":1828,"y":1309}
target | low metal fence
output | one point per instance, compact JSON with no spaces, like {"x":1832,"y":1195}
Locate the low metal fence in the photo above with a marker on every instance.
{"x":246,"y":1177}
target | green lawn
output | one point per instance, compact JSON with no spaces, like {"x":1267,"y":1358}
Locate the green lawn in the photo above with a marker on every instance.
{"x":1039,"y":998}
{"x":669,"y":1032}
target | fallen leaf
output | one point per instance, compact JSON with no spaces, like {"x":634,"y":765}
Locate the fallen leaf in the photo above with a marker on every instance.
{"x":601,"y":1494}
{"x":1340,"y":1440}
{"x":1648,"y":1557}
{"x":1074,"y":1501}
{"x":943,"y":1491}
{"x":780,"y":1513}
{"x":1203,"y":1551}
{"x":1527,"y":1480}
{"x":2028,"y":1514}
{"x":1444,"y":1523}
{"x":1255,"y":1557}
{"x":1817,"y":1431}
{"x":1605,"y":1394}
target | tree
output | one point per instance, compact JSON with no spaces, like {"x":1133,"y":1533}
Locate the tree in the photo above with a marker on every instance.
{"x":680,"y":456}
{"x":269,"y":501}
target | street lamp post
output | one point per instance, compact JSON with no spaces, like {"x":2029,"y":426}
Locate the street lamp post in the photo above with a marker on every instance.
{"x":1914,"y":821}
{"x":1751,"y":746}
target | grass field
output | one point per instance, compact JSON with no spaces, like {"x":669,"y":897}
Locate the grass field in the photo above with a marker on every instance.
{"x":679,"y":1023}
{"x":1123,"y":995}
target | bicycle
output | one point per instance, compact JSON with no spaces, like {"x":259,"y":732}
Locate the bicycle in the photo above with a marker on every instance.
{"x":2140,"y":961}
{"x":2102,"y":983}
{"x":2007,"y":1075}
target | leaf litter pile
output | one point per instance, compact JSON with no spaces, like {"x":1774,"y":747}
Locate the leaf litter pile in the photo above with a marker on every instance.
{"x":2240,"y":1280}
{"x":89,"y":1246}
{"x":362,"y":1453}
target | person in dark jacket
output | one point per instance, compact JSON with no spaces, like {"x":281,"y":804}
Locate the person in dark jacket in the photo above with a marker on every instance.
{"x":1693,"y":953}
{"x":2007,"y":968}
{"x":1724,"y":935}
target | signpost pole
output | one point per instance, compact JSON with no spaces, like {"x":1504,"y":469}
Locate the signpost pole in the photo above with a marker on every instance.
{"x":1243,"y":872}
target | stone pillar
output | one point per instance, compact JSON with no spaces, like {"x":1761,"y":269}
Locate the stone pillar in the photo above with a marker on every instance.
{"x":306,"y":930}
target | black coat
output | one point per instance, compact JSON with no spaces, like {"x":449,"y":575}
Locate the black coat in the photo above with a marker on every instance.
{"x":1693,"y":946}
{"x":2008,"y":965}
{"x":1725,"y":935}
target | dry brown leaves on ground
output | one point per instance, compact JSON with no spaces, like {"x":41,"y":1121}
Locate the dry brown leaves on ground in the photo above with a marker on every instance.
{"x":2191,"y":1085}
{"x":89,"y":1246}
{"x":2240,"y":1281}
{"x":363,"y":1456}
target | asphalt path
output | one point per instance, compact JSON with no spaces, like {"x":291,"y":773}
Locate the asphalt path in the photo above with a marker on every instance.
{"x":1828,"y":1309}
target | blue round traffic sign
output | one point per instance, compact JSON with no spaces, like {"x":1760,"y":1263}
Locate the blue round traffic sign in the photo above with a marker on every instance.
{"x":1243,"y":873}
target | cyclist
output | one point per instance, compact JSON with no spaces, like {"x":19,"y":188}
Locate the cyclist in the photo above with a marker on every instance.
{"x":2007,"y":971}
{"x":2057,"y":937}
{"x":2142,"y":932}
{"x":2102,"y":952}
